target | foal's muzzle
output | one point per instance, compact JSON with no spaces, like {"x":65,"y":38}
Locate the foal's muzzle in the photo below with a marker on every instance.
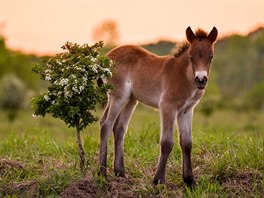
{"x":201,"y":79}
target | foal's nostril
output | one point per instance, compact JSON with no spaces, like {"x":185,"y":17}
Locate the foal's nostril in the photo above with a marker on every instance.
{"x":196,"y":79}
{"x":201,"y":80}
{"x":204,"y":79}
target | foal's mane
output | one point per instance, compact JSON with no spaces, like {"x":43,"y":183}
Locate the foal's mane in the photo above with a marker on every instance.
{"x":181,"y":48}
{"x":185,"y":45}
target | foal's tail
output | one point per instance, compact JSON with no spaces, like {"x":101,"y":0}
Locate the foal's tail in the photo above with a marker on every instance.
{"x":100,"y":82}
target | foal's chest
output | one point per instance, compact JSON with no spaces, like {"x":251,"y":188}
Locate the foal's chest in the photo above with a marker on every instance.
{"x":192,"y":101}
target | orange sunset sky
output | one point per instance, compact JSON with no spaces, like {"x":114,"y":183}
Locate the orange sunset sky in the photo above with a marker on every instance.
{"x":42,"y":26}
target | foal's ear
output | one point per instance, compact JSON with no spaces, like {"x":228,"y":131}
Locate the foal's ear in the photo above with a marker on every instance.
{"x":190,"y":35}
{"x":213,"y":35}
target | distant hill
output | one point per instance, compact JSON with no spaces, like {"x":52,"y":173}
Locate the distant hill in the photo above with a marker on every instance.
{"x":160,"y":48}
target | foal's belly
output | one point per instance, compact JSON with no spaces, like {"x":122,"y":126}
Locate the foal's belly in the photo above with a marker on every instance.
{"x":149,"y":97}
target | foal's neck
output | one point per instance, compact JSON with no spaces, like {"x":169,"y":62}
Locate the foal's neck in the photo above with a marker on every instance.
{"x":187,"y":69}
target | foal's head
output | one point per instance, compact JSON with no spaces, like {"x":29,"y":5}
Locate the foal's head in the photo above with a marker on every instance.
{"x":201,"y":54}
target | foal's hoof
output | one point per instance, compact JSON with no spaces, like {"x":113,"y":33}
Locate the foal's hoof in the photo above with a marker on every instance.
{"x":190,"y":182}
{"x":102,"y":172}
{"x":157,"y":181}
{"x":119,"y":173}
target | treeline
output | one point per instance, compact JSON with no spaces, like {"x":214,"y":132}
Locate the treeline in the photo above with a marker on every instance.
{"x":18,"y":64}
{"x":236,"y":81}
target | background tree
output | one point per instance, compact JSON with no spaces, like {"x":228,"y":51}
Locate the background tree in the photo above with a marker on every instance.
{"x":107,"y":31}
{"x":72,"y":93}
{"x":13,"y":94}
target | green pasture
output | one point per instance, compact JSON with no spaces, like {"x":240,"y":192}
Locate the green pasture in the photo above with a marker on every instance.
{"x":39,"y":158}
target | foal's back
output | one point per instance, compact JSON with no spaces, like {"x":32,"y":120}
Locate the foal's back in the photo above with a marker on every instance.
{"x":140,"y":71}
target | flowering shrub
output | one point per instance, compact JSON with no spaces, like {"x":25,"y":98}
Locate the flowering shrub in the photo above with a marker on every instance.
{"x":73,"y":94}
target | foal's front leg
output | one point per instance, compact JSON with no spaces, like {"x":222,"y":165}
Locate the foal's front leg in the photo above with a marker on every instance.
{"x":168,"y":115}
{"x":184,"y":120}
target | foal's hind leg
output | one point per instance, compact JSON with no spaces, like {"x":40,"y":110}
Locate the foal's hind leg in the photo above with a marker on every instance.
{"x":120,"y":129}
{"x":112,"y":110}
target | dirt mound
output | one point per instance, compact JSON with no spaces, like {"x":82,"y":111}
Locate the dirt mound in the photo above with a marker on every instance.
{"x":82,"y":188}
{"x":117,"y":187}
{"x":8,"y":163}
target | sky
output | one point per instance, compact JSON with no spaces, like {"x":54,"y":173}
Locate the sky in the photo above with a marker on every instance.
{"x":43,"y":26}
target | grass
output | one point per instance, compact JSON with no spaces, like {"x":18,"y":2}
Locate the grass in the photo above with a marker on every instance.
{"x":39,"y":158}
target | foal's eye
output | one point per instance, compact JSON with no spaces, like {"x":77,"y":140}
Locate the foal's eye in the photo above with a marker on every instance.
{"x":211,"y":57}
{"x":190,"y":58}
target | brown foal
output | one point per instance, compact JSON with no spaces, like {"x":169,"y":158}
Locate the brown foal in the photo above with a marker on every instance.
{"x":172,"y":84}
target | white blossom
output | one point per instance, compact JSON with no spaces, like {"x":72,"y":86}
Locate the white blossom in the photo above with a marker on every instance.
{"x":63,"y":81}
{"x":94,"y":68}
{"x":81,"y":88}
{"x":93,"y":59}
{"x":111,"y":62}
{"x":72,"y":76}
{"x":37,"y":116}
{"x":68,"y":94}
{"x":80,"y":69}
{"x":48,"y":77}
{"x":46,"y":97}
{"x":75,"y":89}
{"x":58,"y":62}
{"x":84,"y":80}
{"x":108,"y":72}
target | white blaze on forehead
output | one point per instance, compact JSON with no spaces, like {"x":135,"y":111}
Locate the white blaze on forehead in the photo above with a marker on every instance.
{"x":201,"y":74}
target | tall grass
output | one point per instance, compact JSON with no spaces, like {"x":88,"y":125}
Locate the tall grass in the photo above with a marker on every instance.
{"x":39,"y":158}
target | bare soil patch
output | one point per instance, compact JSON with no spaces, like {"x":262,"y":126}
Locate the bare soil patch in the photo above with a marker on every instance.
{"x":246,"y":183}
{"x":114,"y":187}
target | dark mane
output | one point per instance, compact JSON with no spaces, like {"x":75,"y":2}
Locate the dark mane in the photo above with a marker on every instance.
{"x":181,"y":48}
{"x":201,"y":34}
